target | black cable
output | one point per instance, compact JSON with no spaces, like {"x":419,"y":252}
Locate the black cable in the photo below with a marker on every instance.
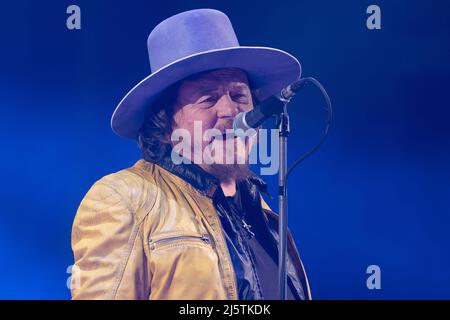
{"x":325,"y":133}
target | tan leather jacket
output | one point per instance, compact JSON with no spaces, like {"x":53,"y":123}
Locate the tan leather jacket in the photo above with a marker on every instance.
{"x":145,"y":233}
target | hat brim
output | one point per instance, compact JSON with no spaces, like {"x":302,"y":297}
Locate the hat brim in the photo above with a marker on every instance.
{"x":269,"y":70}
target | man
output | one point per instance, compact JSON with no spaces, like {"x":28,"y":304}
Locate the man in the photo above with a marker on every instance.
{"x":198,"y":229}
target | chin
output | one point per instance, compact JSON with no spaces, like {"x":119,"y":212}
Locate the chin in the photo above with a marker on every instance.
{"x":227,"y":172}
{"x":235,"y":153}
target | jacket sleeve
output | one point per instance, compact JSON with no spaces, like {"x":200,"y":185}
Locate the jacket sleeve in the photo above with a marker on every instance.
{"x":103,"y":236}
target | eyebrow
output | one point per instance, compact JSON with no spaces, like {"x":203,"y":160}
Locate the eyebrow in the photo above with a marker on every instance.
{"x":205,"y":90}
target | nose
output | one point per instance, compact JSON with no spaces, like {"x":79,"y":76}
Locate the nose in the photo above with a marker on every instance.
{"x":226,"y":107}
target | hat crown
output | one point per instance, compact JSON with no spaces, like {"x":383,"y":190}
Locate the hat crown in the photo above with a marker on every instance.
{"x":189,"y":33}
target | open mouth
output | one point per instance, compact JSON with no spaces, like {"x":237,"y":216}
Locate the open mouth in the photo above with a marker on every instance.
{"x":224,"y":136}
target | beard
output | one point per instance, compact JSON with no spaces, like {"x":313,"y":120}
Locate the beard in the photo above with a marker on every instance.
{"x":227,"y":172}
{"x":237,"y":170}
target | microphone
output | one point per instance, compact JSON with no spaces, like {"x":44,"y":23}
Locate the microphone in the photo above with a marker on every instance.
{"x":271,"y":106}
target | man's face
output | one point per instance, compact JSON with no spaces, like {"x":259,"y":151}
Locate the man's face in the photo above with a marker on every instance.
{"x":212,"y":100}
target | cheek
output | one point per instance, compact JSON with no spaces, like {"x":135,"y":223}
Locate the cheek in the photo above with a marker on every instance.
{"x":185,"y":118}
{"x":209,"y":122}
{"x":196,"y":122}
{"x":207,"y":118}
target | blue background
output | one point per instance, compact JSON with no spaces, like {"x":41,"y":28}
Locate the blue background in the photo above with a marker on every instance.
{"x":377,"y":192}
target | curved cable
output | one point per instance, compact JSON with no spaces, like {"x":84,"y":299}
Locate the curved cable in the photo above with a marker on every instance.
{"x":325,"y":133}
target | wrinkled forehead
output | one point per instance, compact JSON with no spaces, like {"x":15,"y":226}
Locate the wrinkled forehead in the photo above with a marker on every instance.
{"x":205,"y":82}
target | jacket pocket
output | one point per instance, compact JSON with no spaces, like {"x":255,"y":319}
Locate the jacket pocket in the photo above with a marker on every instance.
{"x":178,"y":240}
{"x":184,"y":265}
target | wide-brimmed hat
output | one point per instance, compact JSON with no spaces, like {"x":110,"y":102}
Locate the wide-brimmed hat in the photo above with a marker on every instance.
{"x":195,"y":41}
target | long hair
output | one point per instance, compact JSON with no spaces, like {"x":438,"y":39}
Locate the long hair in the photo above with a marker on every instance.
{"x":154,"y":135}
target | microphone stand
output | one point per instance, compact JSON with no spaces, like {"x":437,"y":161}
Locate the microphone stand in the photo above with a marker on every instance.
{"x":277,"y":105}
{"x":284,"y":129}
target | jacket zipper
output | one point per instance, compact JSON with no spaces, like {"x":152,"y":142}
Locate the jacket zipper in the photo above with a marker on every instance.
{"x":234,"y":294}
{"x":203,"y":238}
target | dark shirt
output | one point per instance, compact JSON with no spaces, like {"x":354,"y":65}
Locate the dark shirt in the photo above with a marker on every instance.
{"x":249,"y":230}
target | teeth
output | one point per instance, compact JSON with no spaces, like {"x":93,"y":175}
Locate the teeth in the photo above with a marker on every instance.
{"x":224,"y":136}
{"x":230,"y":135}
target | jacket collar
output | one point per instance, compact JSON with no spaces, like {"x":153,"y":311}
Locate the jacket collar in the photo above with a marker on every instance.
{"x":203,"y":181}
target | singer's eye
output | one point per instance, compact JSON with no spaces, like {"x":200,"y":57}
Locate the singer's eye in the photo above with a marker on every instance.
{"x":208,"y":101}
{"x":240,"y":97}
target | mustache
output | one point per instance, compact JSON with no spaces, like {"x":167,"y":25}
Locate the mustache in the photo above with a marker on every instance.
{"x":224,"y":126}
{"x":226,"y":130}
